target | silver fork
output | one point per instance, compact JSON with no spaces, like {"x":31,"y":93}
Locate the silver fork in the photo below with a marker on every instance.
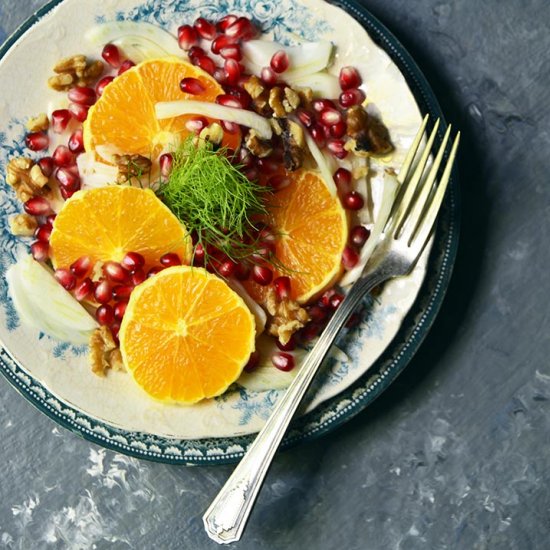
{"x":406,"y":233}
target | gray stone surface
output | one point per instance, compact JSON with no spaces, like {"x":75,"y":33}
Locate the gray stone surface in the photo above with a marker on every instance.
{"x":456,"y":453}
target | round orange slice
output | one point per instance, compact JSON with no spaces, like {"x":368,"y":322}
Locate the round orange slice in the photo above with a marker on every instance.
{"x":186,"y":335}
{"x":312,"y":231}
{"x":124,"y":116}
{"x":108,"y":222}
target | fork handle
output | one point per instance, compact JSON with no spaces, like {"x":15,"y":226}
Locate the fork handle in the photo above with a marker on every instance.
{"x":226,"y":517}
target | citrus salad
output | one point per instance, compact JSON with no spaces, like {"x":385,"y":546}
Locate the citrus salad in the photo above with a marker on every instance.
{"x":198,"y":205}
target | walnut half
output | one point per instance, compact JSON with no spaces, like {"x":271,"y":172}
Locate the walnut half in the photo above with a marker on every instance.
{"x":104,"y":353}
{"x":23,"y":225}
{"x":131,"y":166}
{"x":26,"y":178}
{"x":75,"y":70}
{"x":287,"y":316}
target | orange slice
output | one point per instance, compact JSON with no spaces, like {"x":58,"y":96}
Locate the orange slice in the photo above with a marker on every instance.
{"x":108,"y":222}
{"x":124,"y":116}
{"x":312,"y":229}
{"x":186,"y":335}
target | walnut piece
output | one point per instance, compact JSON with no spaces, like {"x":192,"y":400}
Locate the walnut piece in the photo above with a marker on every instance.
{"x":212,"y":133}
{"x":38,"y":123}
{"x":291,"y":101}
{"x":104,"y":353}
{"x":254,"y":87}
{"x":73,"y":71}
{"x":131,"y":166}
{"x":294,"y":146}
{"x":26,"y":178}
{"x":369,"y":135}
{"x":287,"y":316}
{"x":23,"y":225}
{"x":276,"y":102}
{"x":258,"y":146}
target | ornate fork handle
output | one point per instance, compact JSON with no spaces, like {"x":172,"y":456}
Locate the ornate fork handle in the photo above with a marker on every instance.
{"x":226,"y":517}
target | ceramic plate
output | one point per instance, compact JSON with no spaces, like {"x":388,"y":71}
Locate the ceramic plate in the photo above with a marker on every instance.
{"x":112,"y":411}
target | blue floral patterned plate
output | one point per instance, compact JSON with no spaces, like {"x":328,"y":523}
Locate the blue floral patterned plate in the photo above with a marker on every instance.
{"x":111,"y":411}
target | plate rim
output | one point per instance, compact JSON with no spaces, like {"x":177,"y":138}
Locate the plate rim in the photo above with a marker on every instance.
{"x":339,"y":409}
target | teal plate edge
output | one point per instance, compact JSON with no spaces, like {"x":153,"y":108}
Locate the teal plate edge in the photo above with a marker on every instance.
{"x":335,"y":411}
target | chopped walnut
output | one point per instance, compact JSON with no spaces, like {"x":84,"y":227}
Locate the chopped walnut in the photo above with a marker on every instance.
{"x":74,"y":71}
{"x":369,"y":135}
{"x":26,"y":178}
{"x":306,"y":96}
{"x":212,"y":133}
{"x":276,"y":101}
{"x":257,"y":146}
{"x":276,"y":126}
{"x":104,"y":353}
{"x":287,"y":316}
{"x":254,"y":87}
{"x":39,"y":123}
{"x":23,"y":225}
{"x":293,"y":144}
{"x":291,"y":101}
{"x":131,"y":166}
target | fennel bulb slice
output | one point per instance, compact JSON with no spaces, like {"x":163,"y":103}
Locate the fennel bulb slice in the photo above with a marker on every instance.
{"x":322,"y":84}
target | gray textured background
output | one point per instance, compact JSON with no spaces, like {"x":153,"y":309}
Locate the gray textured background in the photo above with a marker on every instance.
{"x":456,"y":453}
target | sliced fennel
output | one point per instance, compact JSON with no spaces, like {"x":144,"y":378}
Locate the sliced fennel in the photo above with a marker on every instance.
{"x":322,"y":84}
{"x":43,"y":303}
{"x":94,"y":173}
{"x":138,"y":41}
{"x":391,"y":186}
{"x":171,"y":109}
{"x":305,"y":59}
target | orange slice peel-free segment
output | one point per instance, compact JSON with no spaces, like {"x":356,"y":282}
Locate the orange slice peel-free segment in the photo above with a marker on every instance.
{"x":312,"y":230}
{"x":186,"y":335}
{"x":108,"y":222}
{"x":124,"y":116}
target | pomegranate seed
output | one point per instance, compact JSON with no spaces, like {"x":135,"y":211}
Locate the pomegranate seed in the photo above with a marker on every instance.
{"x":318,"y":134}
{"x":349,"y":257}
{"x":115,"y":329}
{"x":242,"y":29}
{"x":225,"y":22}
{"x":195,"y":53}
{"x":309,"y":332}
{"x":79,"y":112}
{"x":289,"y":346}
{"x":232,"y":51}
{"x":37,"y":206}
{"x":336,"y":300}
{"x":37,"y":141}
{"x":219,"y":75}
{"x":187,"y":37}
{"x":166,"y":162}
{"x":230,"y":127}
{"x":81,"y":267}
{"x":330,"y":117}
{"x":342,"y":179}
{"x":246,"y":159}
{"x":60,"y":120}
{"x":170,"y":259}
{"x":82,"y":95}
{"x":102,"y":84}
{"x":353,"y":321}
{"x":46,"y":165}
{"x":326,"y":297}
{"x":319,"y":105}
{"x":227,"y":268}
{"x":305,"y":117}
{"x":338,"y":130}
{"x":317,"y":313}
{"x":192,"y":86}
{"x":268,"y":76}
{"x":51,"y":218}
{"x":336,"y":147}
{"x":349,"y":78}
{"x":84,"y":289}
{"x":268,"y":166}
{"x":278,"y":182}
{"x":67,"y":180}
{"x":126,"y":66}
{"x":111,"y":54}
{"x":251,"y":174}
{"x":205,"y":29}
{"x":353,"y":200}
{"x":262,"y":275}
{"x":232,"y":71}
{"x":283,"y":361}
{"x":229,"y":101}
{"x":198,"y":255}
{"x":65,"y":278}
{"x":138,"y":276}
{"x":105,"y":315}
{"x":206,"y":64}
{"x":43,"y":232}
{"x":62,"y":156}
{"x":282,"y":287}
{"x":115,"y":272}
{"x":154,"y":270}
{"x":132,"y":261}
{"x":196,"y":124}
{"x":359,"y":235}
{"x":253,"y":361}
{"x":280,"y":61}
{"x":351,"y":97}
{"x":40,"y":251}
{"x":76,"y":142}
{"x":122,"y":292}
{"x":67,"y":193}
{"x":222,"y":42}
{"x":242,"y":95}
{"x":103,"y":293}
{"x":120,"y":310}
{"x":242,"y":272}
